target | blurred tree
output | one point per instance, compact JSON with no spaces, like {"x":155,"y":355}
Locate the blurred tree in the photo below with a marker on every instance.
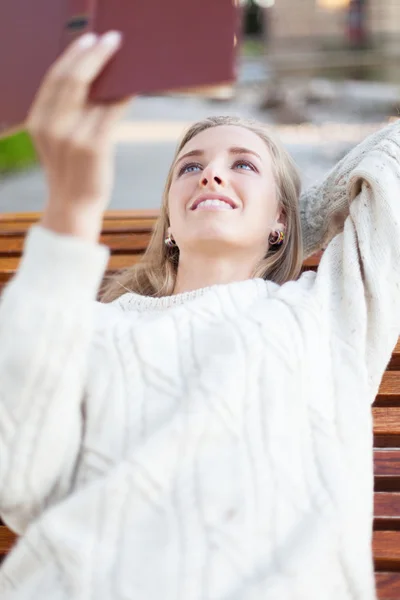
{"x":17,"y":152}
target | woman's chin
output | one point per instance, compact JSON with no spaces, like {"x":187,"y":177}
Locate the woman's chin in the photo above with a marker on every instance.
{"x":213,"y":238}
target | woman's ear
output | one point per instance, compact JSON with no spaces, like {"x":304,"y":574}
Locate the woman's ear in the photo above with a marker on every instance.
{"x":280,"y":220}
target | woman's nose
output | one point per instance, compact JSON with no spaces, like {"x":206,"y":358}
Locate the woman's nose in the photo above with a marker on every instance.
{"x":210,"y":176}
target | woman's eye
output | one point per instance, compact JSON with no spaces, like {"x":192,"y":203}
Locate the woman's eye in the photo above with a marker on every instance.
{"x":245,"y":165}
{"x":189,"y":168}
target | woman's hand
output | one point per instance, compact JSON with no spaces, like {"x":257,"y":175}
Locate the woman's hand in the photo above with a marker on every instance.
{"x":74,"y":138}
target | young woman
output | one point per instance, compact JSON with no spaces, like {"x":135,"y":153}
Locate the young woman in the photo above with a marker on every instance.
{"x":205,"y":431}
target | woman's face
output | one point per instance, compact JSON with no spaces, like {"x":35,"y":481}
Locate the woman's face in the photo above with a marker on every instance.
{"x":223,"y":193}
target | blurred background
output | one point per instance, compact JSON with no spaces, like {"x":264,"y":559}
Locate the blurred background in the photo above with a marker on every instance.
{"x":322,"y":73}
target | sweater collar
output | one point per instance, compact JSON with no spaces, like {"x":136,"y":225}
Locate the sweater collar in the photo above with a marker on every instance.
{"x":252,"y":288}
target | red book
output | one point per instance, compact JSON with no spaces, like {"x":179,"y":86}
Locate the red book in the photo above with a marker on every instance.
{"x":168,"y":45}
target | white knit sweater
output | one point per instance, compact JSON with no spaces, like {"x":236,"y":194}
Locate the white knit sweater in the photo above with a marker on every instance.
{"x":215,"y":445}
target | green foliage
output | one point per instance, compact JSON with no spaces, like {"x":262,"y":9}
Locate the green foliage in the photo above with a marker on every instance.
{"x":17,"y":152}
{"x":252,"y":47}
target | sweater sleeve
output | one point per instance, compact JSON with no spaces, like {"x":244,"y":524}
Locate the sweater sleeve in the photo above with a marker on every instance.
{"x":46,"y":321}
{"x":358,"y":281}
{"x":324,"y":206}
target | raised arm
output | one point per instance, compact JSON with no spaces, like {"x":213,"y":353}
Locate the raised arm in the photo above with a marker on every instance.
{"x":357,"y":286}
{"x":46,"y":312}
{"x":46,"y":321}
{"x":325,"y":206}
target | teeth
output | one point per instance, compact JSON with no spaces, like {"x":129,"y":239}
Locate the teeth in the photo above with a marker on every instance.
{"x":219,"y":203}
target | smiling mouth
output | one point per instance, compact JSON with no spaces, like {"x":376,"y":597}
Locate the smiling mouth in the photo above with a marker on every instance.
{"x":213,"y":205}
{"x":213,"y":202}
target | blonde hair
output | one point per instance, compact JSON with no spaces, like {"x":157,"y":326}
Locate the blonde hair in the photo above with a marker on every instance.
{"x":155,"y":274}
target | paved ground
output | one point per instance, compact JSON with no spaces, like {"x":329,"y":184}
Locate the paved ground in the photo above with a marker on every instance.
{"x":149,"y":133}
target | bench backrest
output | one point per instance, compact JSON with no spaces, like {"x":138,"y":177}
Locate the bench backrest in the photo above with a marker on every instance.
{"x":127,"y":233}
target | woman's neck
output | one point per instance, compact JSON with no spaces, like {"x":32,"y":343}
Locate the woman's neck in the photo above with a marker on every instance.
{"x":200,"y":272}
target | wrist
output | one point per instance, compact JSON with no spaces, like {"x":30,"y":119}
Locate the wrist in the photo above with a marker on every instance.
{"x":83,"y":222}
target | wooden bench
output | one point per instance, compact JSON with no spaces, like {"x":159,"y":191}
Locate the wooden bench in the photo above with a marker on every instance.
{"x":127,"y":234}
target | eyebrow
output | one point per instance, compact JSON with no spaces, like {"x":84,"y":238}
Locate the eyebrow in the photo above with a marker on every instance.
{"x":234,"y":150}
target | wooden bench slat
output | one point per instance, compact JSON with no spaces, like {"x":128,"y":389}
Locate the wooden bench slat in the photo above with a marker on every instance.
{"x":386,"y":463}
{"x":9,"y":266}
{"x":394,"y":363}
{"x":117,"y":242}
{"x":387,"y":511}
{"x":386,"y":426}
{"x":30,"y":217}
{"x":312,"y":261}
{"x":387,"y":470}
{"x":109,"y":225}
{"x":389,"y":390}
{"x":386,"y":550}
{"x":388,"y":585}
{"x":7,"y":539}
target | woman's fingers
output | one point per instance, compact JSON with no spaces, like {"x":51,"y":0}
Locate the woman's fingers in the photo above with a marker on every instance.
{"x":106,"y":117}
{"x":54,"y":76}
{"x":84,"y":68}
{"x":65,"y":88}
{"x":85,"y":57}
{"x":98,"y":121}
{"x":74,"y":136}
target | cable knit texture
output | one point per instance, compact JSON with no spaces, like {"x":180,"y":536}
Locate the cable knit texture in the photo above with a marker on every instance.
{"x":324,"y":207}
{"x":215,"y":445}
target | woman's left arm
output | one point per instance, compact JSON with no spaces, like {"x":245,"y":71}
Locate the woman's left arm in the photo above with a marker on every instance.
{"x":325,"y":206}
{"x":357,"y":287}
